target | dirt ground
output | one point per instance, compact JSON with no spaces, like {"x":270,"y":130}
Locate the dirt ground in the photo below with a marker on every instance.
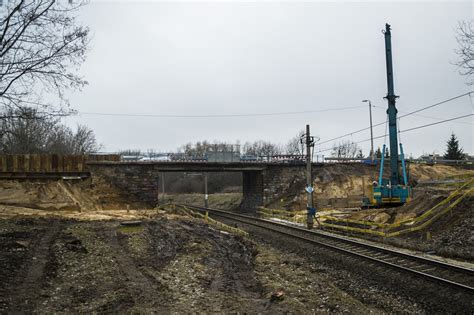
{"x":167,"y":264}
{"x":225,"y":201}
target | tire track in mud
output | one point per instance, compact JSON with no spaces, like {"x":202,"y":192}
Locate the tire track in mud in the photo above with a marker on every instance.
{"x":232,"y":277}
{"x":28,"y":293}
{"x":141,"y":289}
{"x":230,"y":283}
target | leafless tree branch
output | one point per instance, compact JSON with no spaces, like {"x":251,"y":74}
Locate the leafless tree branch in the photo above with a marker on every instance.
{"x":465,"y":51}
{"x":41,"y":47}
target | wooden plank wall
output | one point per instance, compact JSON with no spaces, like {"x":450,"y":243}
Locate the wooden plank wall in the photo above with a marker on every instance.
{"x":50,"y":163}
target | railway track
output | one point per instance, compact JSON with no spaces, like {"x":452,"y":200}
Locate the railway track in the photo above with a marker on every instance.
{"x":446,"y":274}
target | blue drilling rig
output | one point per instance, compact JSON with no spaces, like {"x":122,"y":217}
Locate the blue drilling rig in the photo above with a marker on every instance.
{"x":395,"y":189}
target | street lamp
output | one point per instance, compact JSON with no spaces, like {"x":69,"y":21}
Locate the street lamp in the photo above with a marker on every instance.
{"x":371,"y":131}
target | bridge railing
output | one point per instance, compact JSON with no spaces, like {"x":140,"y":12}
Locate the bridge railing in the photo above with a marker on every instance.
{"x":418,"y":161}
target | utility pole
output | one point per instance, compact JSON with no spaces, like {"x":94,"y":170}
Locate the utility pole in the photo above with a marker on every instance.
{"x":309,"y":180}
{"x":371,"y":131}
{"x":163,"y":183}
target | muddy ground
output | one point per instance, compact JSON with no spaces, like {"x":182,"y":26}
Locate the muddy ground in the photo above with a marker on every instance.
{"x":168,"y":264}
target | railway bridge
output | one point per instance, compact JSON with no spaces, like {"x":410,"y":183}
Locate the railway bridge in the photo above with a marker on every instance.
{"x":140,"y":181}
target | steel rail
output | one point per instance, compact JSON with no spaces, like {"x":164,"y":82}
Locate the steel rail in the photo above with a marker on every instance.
{"x":258,"y":222}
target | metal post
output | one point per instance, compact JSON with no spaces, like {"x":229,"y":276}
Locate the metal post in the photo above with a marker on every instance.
{"x":402,"y":157}
{"x":371,"y":132}
{"x":206,"y":196}
{"x":381,"y":166}
{"x":309,"y":180}
{"x":163,"y":183}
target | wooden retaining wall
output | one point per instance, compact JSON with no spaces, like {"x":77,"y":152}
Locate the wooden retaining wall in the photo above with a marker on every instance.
{"x":50,"y":163}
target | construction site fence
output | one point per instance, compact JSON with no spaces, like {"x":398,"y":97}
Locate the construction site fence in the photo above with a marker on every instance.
{"x":50,"y":163}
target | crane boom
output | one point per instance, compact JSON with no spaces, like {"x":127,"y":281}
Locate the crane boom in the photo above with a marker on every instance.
{"x":392,"y":110}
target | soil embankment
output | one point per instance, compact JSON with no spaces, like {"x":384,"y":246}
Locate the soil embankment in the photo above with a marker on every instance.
{"x":344,"y":185}
{"x":63,"y":195}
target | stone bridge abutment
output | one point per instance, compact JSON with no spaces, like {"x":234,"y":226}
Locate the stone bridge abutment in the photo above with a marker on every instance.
{"x":139,"y":181}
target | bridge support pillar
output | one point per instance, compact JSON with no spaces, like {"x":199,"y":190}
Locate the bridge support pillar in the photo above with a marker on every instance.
{"x":137,"y":183}
{"x":252,"y":190}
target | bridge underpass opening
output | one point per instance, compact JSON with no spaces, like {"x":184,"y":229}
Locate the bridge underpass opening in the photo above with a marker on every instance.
{"x":140,"y":181}
{"x":249,"y":184}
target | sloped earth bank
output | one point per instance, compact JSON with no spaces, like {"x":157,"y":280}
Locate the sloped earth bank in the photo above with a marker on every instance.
{"x":450,"y":236}
{"x":167,"y":264}
{"x":344,"y":185}
{"x":67,"y":195}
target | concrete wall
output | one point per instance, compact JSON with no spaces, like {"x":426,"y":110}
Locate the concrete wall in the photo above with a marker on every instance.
{"x":252,"y":190}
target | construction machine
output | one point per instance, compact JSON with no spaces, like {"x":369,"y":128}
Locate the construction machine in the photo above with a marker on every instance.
{"x":393,"y":190}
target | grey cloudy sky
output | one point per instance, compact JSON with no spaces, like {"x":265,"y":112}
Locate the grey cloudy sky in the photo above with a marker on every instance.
{"x":200,"y":58}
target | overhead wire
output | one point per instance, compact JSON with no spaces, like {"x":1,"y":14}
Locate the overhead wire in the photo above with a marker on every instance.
{"x":223,"y":115}
{"x":406,"y":130}
{"x":404,"y":115}
{"x":436,"y":118}
{"x":437,"y":104}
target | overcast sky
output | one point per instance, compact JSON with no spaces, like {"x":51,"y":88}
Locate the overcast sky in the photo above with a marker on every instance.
{"x":218,"y":58}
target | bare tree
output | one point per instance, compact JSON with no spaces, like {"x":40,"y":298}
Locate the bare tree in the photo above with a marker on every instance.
{"x":465,"y":51}
{"x":41,"y":47}
{"x":261,"y":148}
{"x":294,"y":146}
{"x":24,"y":131}
{"x":21,"y":131}
{"x":199,"y":148}
{"x":84,"y":141}
{"x":59,"y":140}
{"x":346,"y":149}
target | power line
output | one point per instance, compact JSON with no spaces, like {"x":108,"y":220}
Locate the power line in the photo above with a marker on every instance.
{"x":440,"y":103}
{"x":431,"y":117}
{"x":222,"y":115}
{"x":406,"y":130}
{"x":405,"y":115}
{"x":436,"y":123}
